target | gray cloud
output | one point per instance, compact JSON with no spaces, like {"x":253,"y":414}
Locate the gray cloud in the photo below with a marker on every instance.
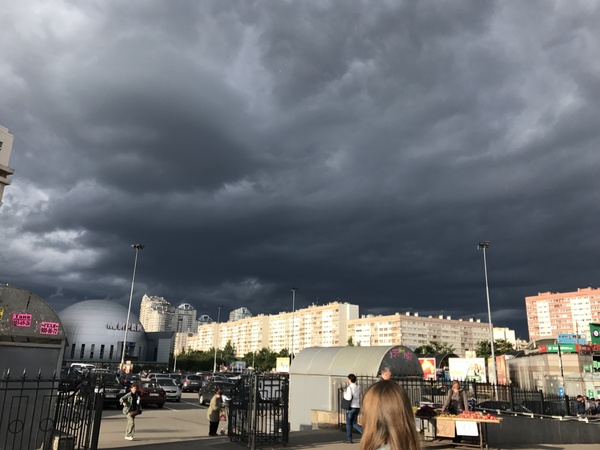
{"x":356,"y":150}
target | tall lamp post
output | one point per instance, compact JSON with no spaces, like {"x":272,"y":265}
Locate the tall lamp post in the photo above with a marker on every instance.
{"x":137,"y":248}
{"x":483,"y":246}
{"x":294,"y":289}
{"x":217,"y":337}
{"x":179,"y":320}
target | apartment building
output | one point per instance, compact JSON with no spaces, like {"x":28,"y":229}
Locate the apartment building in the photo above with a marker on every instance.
{"x":412,"y":330}
{"x":553,"y":313}
{"x":6,"y":141}
{"x":240,"y":313}
{"x":156,"y":314}
{"x":185,"y":319}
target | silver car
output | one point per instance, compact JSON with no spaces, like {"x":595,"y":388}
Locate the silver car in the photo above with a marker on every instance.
{"x":171,"y":387}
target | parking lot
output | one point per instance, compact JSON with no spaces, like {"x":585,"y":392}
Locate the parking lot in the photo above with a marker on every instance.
{"x":174,"y":422}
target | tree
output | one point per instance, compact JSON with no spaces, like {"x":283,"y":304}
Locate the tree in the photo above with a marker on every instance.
{"x":435,"y":347}
{"x":501,"y":347}
{"x":228,"y":354}
{"x":350,"y":342}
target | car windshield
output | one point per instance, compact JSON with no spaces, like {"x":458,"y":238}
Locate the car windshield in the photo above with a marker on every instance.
{"x":194,"y":377}
{"x":166,"y":382}
{"x":148,"y":385}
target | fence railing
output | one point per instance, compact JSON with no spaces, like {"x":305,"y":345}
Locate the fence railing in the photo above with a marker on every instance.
{"x":434,"y":392}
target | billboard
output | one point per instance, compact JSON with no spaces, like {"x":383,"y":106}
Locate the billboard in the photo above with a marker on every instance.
{"x":501,"y":371}
{"x":428,"y":366}
{"x":472,"y":369}
{"x":595,"y":332}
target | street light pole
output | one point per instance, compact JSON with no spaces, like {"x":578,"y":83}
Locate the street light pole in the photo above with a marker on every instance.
{"x":137,"y":248}
{"x":483,"y":246}
{"x":217,"y":337}
{"x":294,"y":289}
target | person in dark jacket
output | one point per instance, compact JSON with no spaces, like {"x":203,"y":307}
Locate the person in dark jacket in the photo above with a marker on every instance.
{"x":131,"y":408}
{"x":580,"y":406}
{"x":456,"y":400}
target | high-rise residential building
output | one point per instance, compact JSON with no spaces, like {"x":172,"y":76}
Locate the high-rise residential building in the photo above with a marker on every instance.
{"x":240,"y":313}
{"x":506,"y":334}
{"x":412,"y":330}
{"x":157,"y":314}
{"x":552,"y":313}
{"x":185,"y":319}
{"x":6,"y":141}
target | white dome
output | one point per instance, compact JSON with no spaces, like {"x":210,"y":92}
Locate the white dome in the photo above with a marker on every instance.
{"x":97,"y":323}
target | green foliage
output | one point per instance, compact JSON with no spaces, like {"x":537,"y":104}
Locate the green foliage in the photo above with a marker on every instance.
{"x":501,"y":347}
{"x":350,"y":342}
{"x":434,"y":348}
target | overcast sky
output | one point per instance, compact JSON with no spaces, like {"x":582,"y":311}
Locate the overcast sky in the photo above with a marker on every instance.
{"x":357,"y":150}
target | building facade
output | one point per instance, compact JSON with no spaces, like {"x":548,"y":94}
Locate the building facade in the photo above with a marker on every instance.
{"x":553,"y":313}
{"x":412,"y":330}
{"x":156,"y":314}
{"x":6,"y":141}
{"x":240,"y":313}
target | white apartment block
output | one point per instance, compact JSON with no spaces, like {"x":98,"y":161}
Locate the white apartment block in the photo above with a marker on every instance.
{"x":156,"y":314}
{"x":240,"y":313}
{"x":6,"y":141}
{"x":331,"y":325}
{"x":412,"y":330}
{"x":506,"y":334}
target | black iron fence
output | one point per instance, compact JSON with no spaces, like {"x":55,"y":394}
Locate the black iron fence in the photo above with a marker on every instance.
{"x":434,"y":392}
{"x":258,"y":410}
{"x":41,"y":412}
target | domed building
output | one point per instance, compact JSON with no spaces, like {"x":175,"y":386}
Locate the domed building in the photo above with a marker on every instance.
{"x":95,"y":332}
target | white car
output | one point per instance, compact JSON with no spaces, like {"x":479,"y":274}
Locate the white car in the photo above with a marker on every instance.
{"x":171,"y":387}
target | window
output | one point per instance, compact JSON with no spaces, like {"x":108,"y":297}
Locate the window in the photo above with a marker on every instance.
{"x":72,"y":351}
{"x":110,"y":354}
{"x":92,"y":348}
{"x":82,"y":351}
{"x":102,"y":351}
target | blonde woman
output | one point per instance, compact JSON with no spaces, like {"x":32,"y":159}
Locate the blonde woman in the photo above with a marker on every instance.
{"x":387,"y":419}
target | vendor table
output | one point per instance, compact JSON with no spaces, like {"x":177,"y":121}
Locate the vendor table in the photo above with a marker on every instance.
{"x":451,"y":427}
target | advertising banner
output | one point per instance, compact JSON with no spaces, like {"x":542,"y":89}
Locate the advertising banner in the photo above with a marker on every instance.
{"x":472,"y":369}
{"x":595,"y":332}
{"x":501,"y":372}
{"x":428,"y":366}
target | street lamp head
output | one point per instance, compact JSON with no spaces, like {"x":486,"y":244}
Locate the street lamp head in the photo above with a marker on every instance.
{"x":138,"y":246}
{"x":482,"y":245}
{"x":294,"y":289}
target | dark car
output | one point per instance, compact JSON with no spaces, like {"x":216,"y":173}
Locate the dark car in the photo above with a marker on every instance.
{"x":113,"y":390}
{"x":493,"y":405}
{"x":191,"y":383}
{"x":151,"y":393}
{"x":207,"y":392}
{"x":129,"y":379}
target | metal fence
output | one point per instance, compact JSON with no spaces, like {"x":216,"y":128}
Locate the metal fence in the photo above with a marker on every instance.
{"x":41,"y":412}
{"x":434,"y":392}
{"x":258,"y":410}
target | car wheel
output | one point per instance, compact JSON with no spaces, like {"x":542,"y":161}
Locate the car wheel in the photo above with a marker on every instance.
{"x":160,"y":405}
{"x":177,"y":400}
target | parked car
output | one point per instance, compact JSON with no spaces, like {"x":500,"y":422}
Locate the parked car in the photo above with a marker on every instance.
{"x":191,"y":383}
{"x":151,"y":393}
{"x":207,"y":392}
{"x":171,"y":388}
{"x":129,"y":379}
{"x":113,"y":390}
{"x":501,"y":406}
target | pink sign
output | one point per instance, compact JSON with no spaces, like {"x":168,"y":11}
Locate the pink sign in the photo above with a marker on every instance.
{"x":49,"y":328}
{"x":22,"y":320}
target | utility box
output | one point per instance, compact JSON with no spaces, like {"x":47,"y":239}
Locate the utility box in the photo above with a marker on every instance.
{"x":32,"y":342}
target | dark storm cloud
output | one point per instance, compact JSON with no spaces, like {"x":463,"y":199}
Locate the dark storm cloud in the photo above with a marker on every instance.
{"x":357,"y":150}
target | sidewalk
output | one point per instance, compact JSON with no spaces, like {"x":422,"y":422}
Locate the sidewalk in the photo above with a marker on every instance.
{"x":325,"y":439}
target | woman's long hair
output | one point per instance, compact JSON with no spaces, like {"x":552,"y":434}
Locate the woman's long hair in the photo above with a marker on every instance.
{"x":387,"y":418}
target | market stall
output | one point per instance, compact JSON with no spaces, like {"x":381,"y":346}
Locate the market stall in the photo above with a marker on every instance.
{"x":468,"y":429}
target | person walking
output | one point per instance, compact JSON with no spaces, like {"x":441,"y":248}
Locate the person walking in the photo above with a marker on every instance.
{"x":386,"y":374}
{"x":352,"y":394}
{"x":388,"y":419}
{"x":213,"y":413}
{"x":131,"y":408}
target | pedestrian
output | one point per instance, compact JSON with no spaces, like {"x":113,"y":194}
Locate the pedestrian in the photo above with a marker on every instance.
{"x":580,"y":406}
{"x":131,"y":408}
{"x":388,"y":420}
{"x":352,"y":394}
{"x":213,"y":413}
{"x":456,"y":400}
{"x":386,"y":374}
